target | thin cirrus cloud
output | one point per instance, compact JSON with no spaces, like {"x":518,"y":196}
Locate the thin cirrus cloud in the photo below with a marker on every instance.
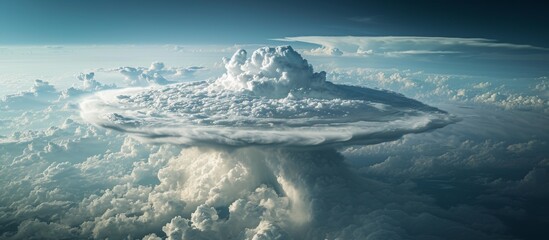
{"x":401,"y":45}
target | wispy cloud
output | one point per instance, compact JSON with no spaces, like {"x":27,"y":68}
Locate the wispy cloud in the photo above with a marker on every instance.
{"x":362,"y":19}
{"x":413,"y":52}
{"x":399,"y":45}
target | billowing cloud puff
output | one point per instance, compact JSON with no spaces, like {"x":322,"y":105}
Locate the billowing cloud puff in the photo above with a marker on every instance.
{"x":39,"y":95}
{"x":154,"y":74}
{"x":443,"y":88}
{"x":89,"y":85}
{"x":330,"y":51}
{"x":272,"y":98}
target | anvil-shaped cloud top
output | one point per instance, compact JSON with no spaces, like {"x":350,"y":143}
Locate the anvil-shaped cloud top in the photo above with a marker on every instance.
{"x":272,"y":98}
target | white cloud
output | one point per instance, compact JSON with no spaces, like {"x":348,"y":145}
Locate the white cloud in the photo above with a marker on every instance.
{"x":522,"y":147}
{"x":272,"y":98}
{"x":155,"y":74}
{"x":89,"y":85}
{"x":249,"y":193}
{"x":362,"y":52}
{"x":141,"y":77}
{"x":404,"y":45}
{"x":41,"y":94}
{"x":323,"y":51}
{"x":417,"y":52}
{"x":487,"y":140}
{"x":440,"y":88}
{"x":271,"y":72}
{"x":531,"y":185}
{"x":69,"y":179}
{"x":482,"y":85}
{"x":543,"y":85}
{"x":511,"y":101}
{"x":36,"y":229}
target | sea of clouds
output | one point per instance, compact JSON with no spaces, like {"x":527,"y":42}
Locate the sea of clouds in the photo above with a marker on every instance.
{"x":272,"y":157}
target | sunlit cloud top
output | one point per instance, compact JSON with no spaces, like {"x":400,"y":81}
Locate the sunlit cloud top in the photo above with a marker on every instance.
{"x":272,"y":98}
{"x":363,"y":45}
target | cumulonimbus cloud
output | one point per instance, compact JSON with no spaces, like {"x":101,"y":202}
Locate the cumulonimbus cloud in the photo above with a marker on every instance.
{"x":272,"y":98}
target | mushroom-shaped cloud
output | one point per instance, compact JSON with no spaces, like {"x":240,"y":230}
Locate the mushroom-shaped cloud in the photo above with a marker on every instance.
{"x":272,"y":98}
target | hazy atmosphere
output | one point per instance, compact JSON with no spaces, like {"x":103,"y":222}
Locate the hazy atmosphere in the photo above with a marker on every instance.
{"x":274,"y":120}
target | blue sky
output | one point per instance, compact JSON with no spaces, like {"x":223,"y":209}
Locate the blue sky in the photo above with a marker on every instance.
{"x":66,"y":22}
{"x":222,"y":22}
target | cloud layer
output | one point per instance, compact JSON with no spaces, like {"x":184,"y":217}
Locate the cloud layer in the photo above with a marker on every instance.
{"x":400,"y":45}
{"x":480,"y":178}
{"x":272,"y":98}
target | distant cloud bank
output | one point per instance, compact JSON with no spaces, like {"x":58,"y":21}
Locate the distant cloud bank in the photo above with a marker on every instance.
{"x":400,"y":45}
